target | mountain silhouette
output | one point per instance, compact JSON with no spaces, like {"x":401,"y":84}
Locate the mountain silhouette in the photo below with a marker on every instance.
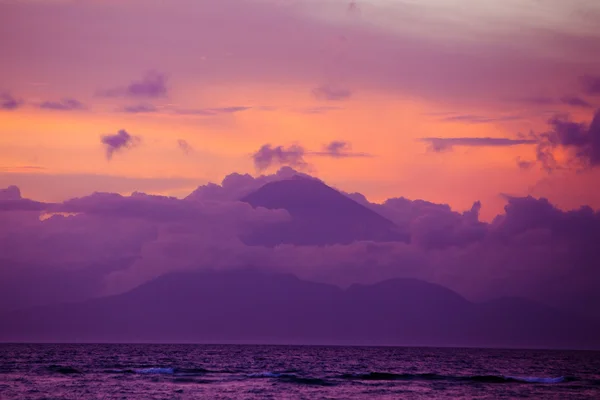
{"x":249,"y":306}
{"x":320,"y":215}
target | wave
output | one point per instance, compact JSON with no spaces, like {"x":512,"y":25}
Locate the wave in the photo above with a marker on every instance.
{"x":63,"y":370}
{"x":387,"y":376}
{"x":162,"y":371}
{"x":291,"y":378}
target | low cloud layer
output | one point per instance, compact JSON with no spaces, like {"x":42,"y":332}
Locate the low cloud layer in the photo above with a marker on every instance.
{"x":112,"y":243}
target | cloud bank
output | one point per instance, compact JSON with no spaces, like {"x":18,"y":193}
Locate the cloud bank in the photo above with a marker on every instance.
{"x":112,"y":243}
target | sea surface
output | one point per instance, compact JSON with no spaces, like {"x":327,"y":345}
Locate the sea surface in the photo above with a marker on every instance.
{"x":144,"y":371}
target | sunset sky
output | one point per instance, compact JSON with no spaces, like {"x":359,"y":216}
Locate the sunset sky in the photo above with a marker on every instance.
{"x":199,"y":86}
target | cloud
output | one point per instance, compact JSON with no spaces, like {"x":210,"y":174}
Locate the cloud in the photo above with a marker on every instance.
{"x":11,"y":200}
{"x":117,"y":142}
{"x":318,"y":110}
{"x":66,"y":104}
{"x":580,"y":140}
{"x":235,"y":186}
{"x":339,"y":149}
{"x":8,"y":102}
{"x":525,"y":164}
{"x":203,"y":112}
{"x":446,"y":144}
{"x":591,"y":84}
{"x":184,"y":146}
{"x":331,"y":93}
{"x":210,"y":111}
{"x":152,"y":85}
{"x":575,"y":101}
{"x":139,"y":109}
{"x":478,"y":119}
{"x":268,"y":156}
{"x":533,"y":249}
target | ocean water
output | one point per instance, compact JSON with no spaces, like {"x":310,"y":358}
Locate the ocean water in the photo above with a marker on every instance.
{"x":143,"y":371}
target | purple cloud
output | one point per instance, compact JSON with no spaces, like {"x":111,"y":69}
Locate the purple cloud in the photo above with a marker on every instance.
{"x":580,"y":139}
{"x":8,"y":102}
{"x":331,"y":93}
{"x":210,"y":111}
{"x":524,"y":164}
{"x":339,"y":149}
{"x":152,"y":85}
{"x":268,"y":156}
{"x":446,"y":144}
{"x":11,"y":200}
{"x":318,"y":110}
{"x":120,"y":140}
{"x":478,"y":119}
{"x":185,"y":146}
{"x":575,"y":101}
{"x":66,"y":104}
{"x":139,"y":109}
{"x":591,"y":84}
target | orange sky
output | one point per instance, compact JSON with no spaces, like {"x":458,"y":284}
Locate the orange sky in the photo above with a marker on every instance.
{"x":401,"y":84}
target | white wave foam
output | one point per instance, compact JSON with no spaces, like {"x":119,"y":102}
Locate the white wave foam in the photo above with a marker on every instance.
{"x":168,"y":371}
{"x":535,"y":379}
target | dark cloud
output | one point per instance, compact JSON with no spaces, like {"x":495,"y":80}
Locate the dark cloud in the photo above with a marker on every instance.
{"x":8,"y":102}
{"x":268,"y":156}
{"x":66,"y":104}
{"x":152,"y":85}
{"x":139,"y":109}
{"x":478,"y":119}
{"x":581,"y":140}
{"x":575,"y":101}
{"x":184,"y":146}
{"x":445,"y":144}
{"x":331,"y":93}
{"x":591,"y":84}
{"x":120,"y":140}
{"x":339,"y":149}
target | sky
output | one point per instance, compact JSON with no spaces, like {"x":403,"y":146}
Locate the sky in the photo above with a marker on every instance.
{"x":463,"y":107}
{"x":202,"y":85}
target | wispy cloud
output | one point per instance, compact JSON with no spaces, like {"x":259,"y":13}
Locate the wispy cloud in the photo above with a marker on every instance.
{"x":477,"y":119}
{"x":331,"y":93}
{"x":339,"y":149}
{"x":445,"y":144}
{"x":152,"y":85}
{"x":184,"y":146}
{"x":65,"y":104}
{"x":9,"y":102}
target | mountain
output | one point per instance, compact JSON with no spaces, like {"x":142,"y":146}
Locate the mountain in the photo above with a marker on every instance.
{"x":255,"y":307}
{"x":320,"y":215}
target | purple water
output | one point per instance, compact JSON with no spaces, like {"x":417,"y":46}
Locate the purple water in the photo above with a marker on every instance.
{"x":144,"y":371}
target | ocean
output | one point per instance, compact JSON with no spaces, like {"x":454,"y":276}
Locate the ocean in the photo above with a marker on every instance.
{"x":146,"y":371}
